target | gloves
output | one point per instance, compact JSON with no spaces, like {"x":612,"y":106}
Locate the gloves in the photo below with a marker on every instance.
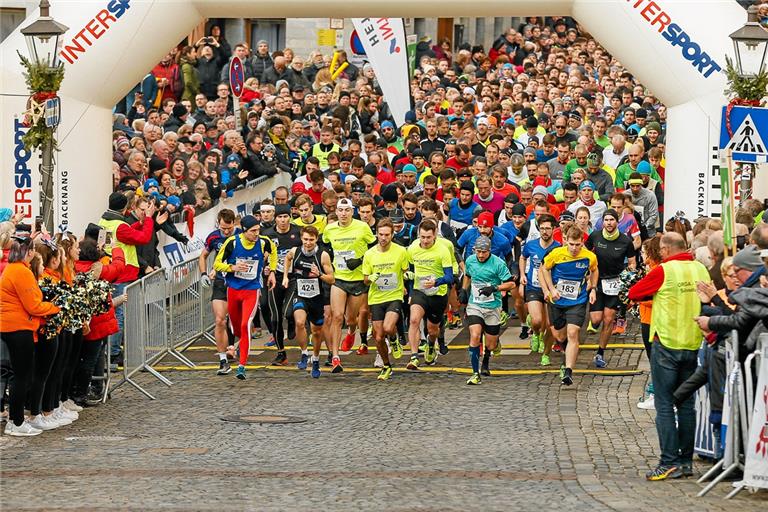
{"x":464,"y":296}
{"x":408,"y":275}
{"x":205,"y":280}
{"x":373,"y":277}
{"x":353,"y":263}
{"x":183,"y":239}
{"x":485,"y":291}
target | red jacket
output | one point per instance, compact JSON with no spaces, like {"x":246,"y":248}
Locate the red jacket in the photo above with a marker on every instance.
{"x":106,"y":323}
{"x":650,"y":284}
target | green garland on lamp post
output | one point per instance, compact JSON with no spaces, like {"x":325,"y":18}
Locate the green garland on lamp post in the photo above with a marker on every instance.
{"x":44,"y":83}
{"x":750,"y":88}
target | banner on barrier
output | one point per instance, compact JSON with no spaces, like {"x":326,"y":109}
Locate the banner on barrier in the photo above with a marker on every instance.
{"x":385,"y":46}
{"x":756,"y":464}
{"x":241,"y":202}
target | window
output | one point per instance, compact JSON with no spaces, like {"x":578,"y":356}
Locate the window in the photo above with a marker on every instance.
{"x":9,"y":20}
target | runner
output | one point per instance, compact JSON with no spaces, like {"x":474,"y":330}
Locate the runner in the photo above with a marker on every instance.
{"x":365,"y":211}
{"x":531,"y":259}
{"x":615,"y":252}
{"x":383,"y":268}
{"x":305,"y":206}
{"x":349,"y":238}
{"x":432,"y":274}
{"x":285,"y":236}
{"x":245,"y":258}
{"x":569,"y":276}
{"x":216,"y":281}
{"x":487,"y":275}
{"x":305,"y":268}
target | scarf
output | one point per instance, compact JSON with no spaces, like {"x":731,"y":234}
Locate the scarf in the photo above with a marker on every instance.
{"x":611,"y":236}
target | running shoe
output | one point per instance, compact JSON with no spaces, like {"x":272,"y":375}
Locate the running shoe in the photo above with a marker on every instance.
{"x":557,"y":347}
{"x":336,"y":364}
{"x":71,"y":405}
{"x":385,"y":373}
{"x":315,"y":369}
{"x":302,"y":364}
{"x":257,"y":333}
{"x":620,"y":327}
{"x":378,"y":362}
{"x":329,"y":360}
{"x":497,"y":350}
{"x":600,"y":361}
{"x":565,"y":377}
{"x":271,"y":342}
{"x":649,"y":404}
{"x":413,"y":364}
{"x":347,"y":342}
{"x":534,"y":341}
{"x":504,"y":318}
{"x":474,"y":380}
{"x":662,"y":472}
{"x":23,"y":430}
{"x":362,"y":350}
{"x":397,"y":349}
{"x":442,"y":348}
{"x":281,"y":359}
{"x":545,"y":360}
{"x":422,"y":346}
{"x":485,"y":369}
{"x":687,"y":469}
{"x":591,"y":329}
{"x":541,"y":343}
{"x":430,"y":354}
{"x":240,"y":373}
{"x":224,"y":367}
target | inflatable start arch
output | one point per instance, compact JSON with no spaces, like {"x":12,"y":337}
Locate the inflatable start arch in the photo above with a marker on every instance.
{"x":676,"y":48}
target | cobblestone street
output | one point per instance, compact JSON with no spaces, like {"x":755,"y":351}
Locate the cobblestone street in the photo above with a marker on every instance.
{"x":418,"y":442}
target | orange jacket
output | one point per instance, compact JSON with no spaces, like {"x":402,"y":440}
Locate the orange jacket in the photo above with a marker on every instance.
{"x":21,"y":301}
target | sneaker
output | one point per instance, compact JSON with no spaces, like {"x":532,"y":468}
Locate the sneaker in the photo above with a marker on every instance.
{"x":315,"y":370}
{"x":270,"y":342}
{"x":430,"y":354}
{"x":224,"y":367}
{"x":240,"y":373}
{"x":545,"y":360}
{"x":379,"y":362}
{"x":59,"y":419}
{"x":258,"y":333}
{"x":600,"y":361}
{"x":565,"y":378}
{"x":648,"y":404}
{"x":413,"y":364}
{"x":336,"y":364}
{"x":620,"y":327}
{"x":422,"y":346}
{"x":23,"y":430}
{"x":65,"y":413}
{"x":687,"y":469}
{"x":504,"y":318}
{"x":362,"y":350}
{"x":541,"y":343}
{"x":385,"y":373}
{"x":329,"y":360}
{"x":534,"y":342}
{"x":302,"y":364}
{"x":497,"y":350}
{"x":557,"y":347}
{"x":43,"y":423}
{"x":347,"y":342}
{"x":485,"y":369}
{"x":397,"y":349}
{"x":591,"y":329}
{"x":281,"y":359}
{"x":474,"y":380}
{"x":442,"y":348}
{"x":662,"y":472}
{"x":525,"y":332}
{"x":72,"y":406}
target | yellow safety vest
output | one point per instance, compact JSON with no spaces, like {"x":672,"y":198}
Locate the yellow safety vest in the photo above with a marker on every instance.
{"x":131,"y":257}
{"x":321,"y":155}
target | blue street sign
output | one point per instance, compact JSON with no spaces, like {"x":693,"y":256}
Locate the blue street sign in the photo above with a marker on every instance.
{"x":236,"y":76}
{"x":749,"y":126}
{"x":52,"y":112}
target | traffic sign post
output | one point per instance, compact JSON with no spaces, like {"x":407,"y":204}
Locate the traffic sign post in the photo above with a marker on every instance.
{"x":747,"y":141}
{"x":236,"y":84}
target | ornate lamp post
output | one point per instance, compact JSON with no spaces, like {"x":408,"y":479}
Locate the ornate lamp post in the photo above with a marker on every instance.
{"x":750,"y":43}
{"x":44,"y":73}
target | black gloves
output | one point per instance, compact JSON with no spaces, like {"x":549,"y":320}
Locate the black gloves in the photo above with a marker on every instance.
{"x":353,"y":263}
{"x":464,"y":296}
{"x":487,"y":290}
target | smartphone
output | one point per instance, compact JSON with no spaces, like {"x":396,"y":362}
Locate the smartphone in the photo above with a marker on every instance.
{"x":38,"y":222}
{"x":102,"y":238}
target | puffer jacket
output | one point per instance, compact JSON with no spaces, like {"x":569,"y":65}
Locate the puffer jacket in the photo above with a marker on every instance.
{"x":106,"y":323}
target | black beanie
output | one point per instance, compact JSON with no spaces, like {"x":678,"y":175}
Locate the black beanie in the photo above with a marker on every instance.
{"x":389,"y":194}
{"x":179,"y":110}
{"x":282,"y":209}
{"x":468,"y":185}
{"x":117,"y":201}
{"x":518,"y":209}
{"x":248,"y":222}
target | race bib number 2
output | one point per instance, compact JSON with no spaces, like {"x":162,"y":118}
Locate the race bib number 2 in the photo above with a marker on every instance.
{"x":387,"y":282}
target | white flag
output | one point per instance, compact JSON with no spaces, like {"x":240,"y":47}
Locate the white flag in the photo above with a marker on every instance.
{"x":385,"y":47}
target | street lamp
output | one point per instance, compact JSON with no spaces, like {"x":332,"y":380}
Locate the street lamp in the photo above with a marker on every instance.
{"x":42,"y":37}
{"x":750,"y":43}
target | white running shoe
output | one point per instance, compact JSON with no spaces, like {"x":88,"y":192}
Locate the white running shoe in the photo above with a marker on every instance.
{"x":23,"y":430}
{"x":42,"y":422}
{"x":72,"y":406}
{"x":61,"y":418}
{"x":66,"y":413}
{"x":378,"y":363}
{"x":647,"y":404}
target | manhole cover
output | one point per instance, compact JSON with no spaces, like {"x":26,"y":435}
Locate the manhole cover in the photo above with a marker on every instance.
{"x":263,"y":418}
{"x":96,"y":438}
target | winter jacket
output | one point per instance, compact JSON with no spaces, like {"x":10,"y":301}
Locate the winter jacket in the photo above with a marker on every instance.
{"x":21,"y":301}
{"x":272,"y":75}
{"x":191,"y":80}
{"x":259,"y":64}
{"x":296,"y":77}
{"x":750,"y":319}
{"x":208,"y":75}
{"x":106,"y":323}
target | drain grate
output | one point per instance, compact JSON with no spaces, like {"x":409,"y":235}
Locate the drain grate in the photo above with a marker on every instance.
{"x":263,"y":418}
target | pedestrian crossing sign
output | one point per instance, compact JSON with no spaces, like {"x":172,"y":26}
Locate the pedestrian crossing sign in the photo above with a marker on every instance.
{"x":749,"y":126}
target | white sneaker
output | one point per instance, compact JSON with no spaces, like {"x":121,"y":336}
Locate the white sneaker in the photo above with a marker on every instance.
{"x":647,"y":404}
{"x":23,"y":430}
{"x":378,"y":363}
{"x":72,"y":406}
{"x":66,"y":413}
{"x":60,"y":418}
{"x":42,"y":422}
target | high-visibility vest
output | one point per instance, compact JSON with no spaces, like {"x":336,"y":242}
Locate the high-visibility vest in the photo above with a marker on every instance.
{"x":129,"y":251}
{"x":321,"y":155}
